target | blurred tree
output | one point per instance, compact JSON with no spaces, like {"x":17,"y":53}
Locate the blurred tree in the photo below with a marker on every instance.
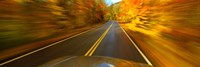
{"x":24,"y":21}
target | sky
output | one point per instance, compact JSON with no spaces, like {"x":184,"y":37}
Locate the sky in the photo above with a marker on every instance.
{"x":109,"y":2}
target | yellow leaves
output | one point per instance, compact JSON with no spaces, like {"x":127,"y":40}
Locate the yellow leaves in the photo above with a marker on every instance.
{"x":53,"y":1}
{"x":19,"y":1}
{"x":170,"y":29}
{"x":141,"y":18}
{"x":57,"y":13}
{"x":165,"y":1}
{"x":56,"y":9}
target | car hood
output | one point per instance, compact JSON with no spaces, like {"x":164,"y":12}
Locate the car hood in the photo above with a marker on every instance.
{"x":92,"y":61}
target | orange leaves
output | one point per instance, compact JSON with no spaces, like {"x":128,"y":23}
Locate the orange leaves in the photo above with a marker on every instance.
{"x":131,"y":2}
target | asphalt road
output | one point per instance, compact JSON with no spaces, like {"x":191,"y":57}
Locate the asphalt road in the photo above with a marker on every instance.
{"x":108,"y":40}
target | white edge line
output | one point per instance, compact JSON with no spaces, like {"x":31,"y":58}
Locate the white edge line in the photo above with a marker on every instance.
{"x":62,"y":61}
{"x":42,"y":48}
{"x":137,"y":47}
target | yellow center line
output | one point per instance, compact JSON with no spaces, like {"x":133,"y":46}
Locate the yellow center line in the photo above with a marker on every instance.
{"x":96,"y":44}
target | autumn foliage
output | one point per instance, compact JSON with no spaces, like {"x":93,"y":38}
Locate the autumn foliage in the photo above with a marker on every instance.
{"x":24,"y":21}
{"x":167,"y":30}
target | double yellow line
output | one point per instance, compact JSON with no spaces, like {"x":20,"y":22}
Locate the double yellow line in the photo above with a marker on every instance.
{"x":96,"y":44}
